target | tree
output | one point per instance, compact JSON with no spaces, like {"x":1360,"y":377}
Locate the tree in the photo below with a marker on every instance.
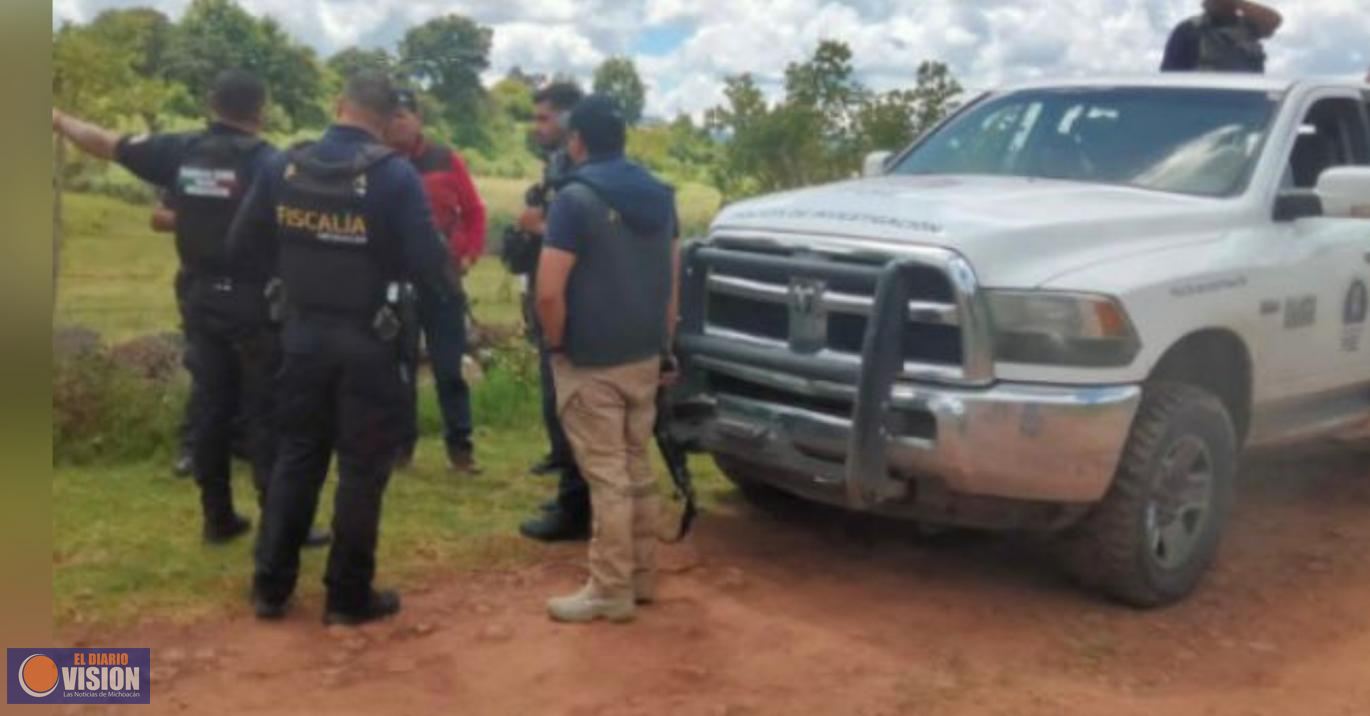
{"x":826,"y":122}
{"x":513,"y":99}
{"x":826,"y":83}
{"x":88,"y":75}
{"x":352,"y":60}
{"x":894,"y":119}
{"x":446,"y":56}
{"x":766,"y":148}
{"x":145,"y":33}
{"x":215,"y":35}
{"x":531,"y":80}
{"x":618,"y":78}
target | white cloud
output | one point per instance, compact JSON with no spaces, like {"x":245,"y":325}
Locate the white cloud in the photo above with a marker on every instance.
{"x":985,"y":41}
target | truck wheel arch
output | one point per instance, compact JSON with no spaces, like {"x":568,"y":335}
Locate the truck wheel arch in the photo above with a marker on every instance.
{"x":1217,"y":360}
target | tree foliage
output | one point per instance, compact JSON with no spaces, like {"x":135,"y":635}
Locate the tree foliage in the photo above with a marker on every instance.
{"x":136,"y":66}
{"x":215,"y":35}
{"x":352,"y":60}
{"x":446,"y":57}
{"x":826,"y":122}
{"x":618,"y":78}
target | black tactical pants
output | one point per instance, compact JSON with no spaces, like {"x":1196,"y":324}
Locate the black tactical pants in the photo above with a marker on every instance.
{"x":194,"y":407}
{"x":231,"y":352}
{"x":573,"y":493}
{"x":339,"y":389}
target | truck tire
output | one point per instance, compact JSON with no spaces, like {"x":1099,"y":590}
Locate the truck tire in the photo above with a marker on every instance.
{"x":1154,"y":535}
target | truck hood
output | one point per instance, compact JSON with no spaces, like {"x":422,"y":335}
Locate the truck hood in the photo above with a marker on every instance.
{"x":1016,"y":232}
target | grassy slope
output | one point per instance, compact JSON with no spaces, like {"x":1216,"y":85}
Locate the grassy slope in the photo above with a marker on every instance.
{"x":126,"y":542}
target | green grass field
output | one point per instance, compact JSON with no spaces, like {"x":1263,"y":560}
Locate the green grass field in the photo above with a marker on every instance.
{"x":126,"y":534}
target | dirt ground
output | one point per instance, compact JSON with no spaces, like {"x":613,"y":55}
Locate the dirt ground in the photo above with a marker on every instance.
{"x":810,"y":612}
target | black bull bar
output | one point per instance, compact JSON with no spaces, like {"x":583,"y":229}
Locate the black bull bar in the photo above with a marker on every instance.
{"x":867,"y":478}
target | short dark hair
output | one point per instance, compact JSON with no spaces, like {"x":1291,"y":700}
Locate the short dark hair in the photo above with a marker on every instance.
{"x":373,"y":91}
{"x":599,"y":121}
{"x":238,"y":95}
{"x":561,"y":95}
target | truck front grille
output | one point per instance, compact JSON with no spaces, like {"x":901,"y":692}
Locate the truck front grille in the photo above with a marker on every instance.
{"x":825,"y":309}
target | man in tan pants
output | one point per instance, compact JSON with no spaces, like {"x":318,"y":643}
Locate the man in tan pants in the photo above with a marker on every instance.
{"x":607,"y":303}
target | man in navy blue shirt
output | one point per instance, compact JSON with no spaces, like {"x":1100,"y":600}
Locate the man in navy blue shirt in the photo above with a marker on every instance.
{"x":349,"y":224}
{"x":610,"y":250}
{"x":231,"y":344}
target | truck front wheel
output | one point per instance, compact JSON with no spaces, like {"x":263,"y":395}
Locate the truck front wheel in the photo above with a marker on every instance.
{"x":1154,"y":535}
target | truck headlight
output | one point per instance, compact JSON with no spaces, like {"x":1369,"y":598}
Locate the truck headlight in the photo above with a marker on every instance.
{"x":1064,"y":329}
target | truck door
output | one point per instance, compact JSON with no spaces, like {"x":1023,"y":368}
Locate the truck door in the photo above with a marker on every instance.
{"x":1323,"y":344}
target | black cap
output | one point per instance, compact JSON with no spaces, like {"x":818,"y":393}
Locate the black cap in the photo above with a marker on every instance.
{"x":599,"y":121}
{"x":407,"y":99}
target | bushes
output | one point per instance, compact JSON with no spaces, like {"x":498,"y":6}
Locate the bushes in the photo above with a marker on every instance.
{"x":114,"y":405}
{"x":125,"y":403}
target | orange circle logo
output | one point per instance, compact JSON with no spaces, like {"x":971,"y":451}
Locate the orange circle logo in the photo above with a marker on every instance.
{"x":38,"y":676}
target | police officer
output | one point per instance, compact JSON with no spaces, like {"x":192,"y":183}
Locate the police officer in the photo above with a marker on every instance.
{"x":1225,"y":37}
{"x":567,"y":516}
{"x":349,"y":222}
{"x":230,"y":342}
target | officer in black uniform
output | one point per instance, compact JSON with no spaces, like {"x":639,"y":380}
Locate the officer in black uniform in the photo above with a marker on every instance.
{"x":350,"y":224}
{"x":566,"y":517}
{"x":231,"y":345}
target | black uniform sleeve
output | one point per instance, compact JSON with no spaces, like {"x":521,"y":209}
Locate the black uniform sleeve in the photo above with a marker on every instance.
{"x":426,"y":257}
{"x":1182,"y":50}
{"x":252,"y":237}
{"x":154,"y":158}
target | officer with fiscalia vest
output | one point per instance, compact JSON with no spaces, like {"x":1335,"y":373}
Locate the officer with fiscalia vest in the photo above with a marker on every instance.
{"x":350,"y":225}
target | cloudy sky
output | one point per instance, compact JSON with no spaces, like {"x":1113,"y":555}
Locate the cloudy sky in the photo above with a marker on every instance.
{"x":685,"y":47}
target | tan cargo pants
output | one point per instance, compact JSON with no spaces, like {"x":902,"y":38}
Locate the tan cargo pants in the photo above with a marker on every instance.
{"x":608,"y":414}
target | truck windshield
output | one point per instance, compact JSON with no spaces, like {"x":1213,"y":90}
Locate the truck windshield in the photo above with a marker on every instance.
{"x":1201,"y":142}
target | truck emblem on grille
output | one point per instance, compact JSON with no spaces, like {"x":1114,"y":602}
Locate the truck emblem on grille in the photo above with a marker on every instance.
{"x":808,"y":317}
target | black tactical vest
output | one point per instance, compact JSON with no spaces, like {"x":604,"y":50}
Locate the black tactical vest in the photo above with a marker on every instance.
{"x":330,"y":261}
{"x":1232,"y":47}
{"x":211,"y":183}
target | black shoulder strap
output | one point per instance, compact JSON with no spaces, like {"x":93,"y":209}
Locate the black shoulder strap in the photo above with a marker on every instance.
{"x":302,"y":156}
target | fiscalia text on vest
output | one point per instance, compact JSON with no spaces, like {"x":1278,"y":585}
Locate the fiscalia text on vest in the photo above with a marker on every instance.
{"x":333,"y":227}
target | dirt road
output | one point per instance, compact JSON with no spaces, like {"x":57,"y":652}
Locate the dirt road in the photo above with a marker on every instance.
{"x":810,"y":613}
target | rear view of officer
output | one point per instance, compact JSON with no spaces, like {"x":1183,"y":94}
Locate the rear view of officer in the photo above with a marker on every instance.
{"x":230,"y":341}
{"x":350,"y":223}
{"x":1225,"y":37}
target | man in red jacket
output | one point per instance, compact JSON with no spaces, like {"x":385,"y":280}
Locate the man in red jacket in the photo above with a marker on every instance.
{"x":460,"y":217}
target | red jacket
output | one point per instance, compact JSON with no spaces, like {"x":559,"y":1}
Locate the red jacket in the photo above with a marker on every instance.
{"x":457,"y":207}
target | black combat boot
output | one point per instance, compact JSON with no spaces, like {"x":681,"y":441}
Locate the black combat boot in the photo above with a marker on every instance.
{"x":463,"y":461}
{"x":227,"y":529}
{"x":558,"y":524}
{"x":379,"y":605}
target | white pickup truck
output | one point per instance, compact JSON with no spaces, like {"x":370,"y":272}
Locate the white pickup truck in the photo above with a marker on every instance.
{"x":1067,"y":308}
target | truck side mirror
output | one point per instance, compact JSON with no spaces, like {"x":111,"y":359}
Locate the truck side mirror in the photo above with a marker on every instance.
{"x":874,"y":165}
{"x":1297,"y":204}
{"x":1345,"y":192}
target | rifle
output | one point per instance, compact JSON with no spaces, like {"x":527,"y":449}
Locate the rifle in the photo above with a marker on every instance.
{"x":677,"y":463}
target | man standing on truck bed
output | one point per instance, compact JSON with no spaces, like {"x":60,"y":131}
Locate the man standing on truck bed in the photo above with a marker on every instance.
{"x":1225,"y":37}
